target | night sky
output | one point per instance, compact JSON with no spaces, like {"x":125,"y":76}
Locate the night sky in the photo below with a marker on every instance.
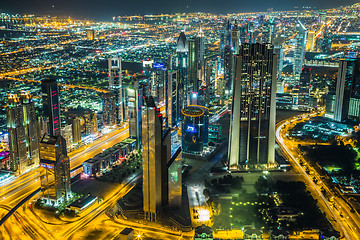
{"x":105,"y":9}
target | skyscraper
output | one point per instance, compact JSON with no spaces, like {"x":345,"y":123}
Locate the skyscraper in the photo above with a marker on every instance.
{"x":304,"y":87}
{"x":175,"y":180}
{"x":195,"y":130}
{"x":279,"y":51}
{"x":90,"y":34}
{"x":225,"y":40}
{"x":109,"y":109}
{"x":76,"y":130}
{"x":195,"y":69}
{"x":181,"y":60}
{"x":135,"y":103}
{"x":347,"y":86}
{"x":91,"y":123}
{"x":235,"y":37}
{"x":228,"y":70}
{"x":51,"y":105}
{"x":310,"y":42}
{"x":54,"y":170}
{"x":299,"y":50}
{"x":115,"y":86}
{"x":172,"y":107}
{"x":23,"y":132}
{"x":154,"y":160}
{"x":252,"y":124}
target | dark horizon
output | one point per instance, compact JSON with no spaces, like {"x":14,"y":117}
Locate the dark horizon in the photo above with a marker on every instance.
{"x":105,"y":10}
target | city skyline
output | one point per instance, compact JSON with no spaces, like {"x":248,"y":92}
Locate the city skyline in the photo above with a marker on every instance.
{"x":95,"y":10}
{"x":193,"y":125}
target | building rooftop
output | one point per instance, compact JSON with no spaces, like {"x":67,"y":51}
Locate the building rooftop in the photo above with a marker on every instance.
{"x":182,"y":45}
{"x":126,"y":231}
{"x":83,"y":202}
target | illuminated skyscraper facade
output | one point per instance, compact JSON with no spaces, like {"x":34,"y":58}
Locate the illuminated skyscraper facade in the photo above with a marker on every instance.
{"x":235,"y":39}
{"x":195,"y":63}
{"x":175,"y":180}
{"x":303,"y":98}
{"x":135,"y":103}
{"x":51,"y":105}
{"x":109,"y":109}
{"x":299,"y":53}
{"x":173,"y":98}
{"x":54,"y":170}
{"x":76,"y":130}
{"x":181,"y":62}
{"x":23,"y":132}
{"x":194,"y":129}
{"x":153,"y":162}
{"x":90,"y":34}
{"x":225,"y":40}
{"x":252,"y":124}
{"x":115,"y":86}
{"x":228,"y":69}
{"x":347,"y":86}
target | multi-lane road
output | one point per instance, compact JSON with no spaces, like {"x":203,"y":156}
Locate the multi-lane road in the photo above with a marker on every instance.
{"x":15,"y":190}
{"x":340,"y":214}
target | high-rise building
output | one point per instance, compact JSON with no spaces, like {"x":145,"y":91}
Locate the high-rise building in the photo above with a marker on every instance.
{"x":347,"y":86}
{"x":90,"y":34}
{"x":327,"y":41}
{"x":181,"y":61}
{"x":225,"y":40}
{"x":310,"y":42}
{"x":66,"y":133}
{"x":91,"y":123}
{"x":235,"y":37}
{"x":172,"y":102}
{"x":279,"y":51}
{"x":51,"y":105}
{"x":155,"y":155}
{"x":299,"y":50}
{"x":115,"y":86}
{"x":135,"y":102}
{"x":109,"y":109}
{"x":175,"y":180}
{"x":228,"y":69}
{"x":304,"y":87}
{"x":196,"y":63}
{"x":76,"y":130}
{"x":42,"y":126}
{"x":23,"y":132}
{"x":195,"y":130}
{"x":252,"y":126}
{"x":54,"y":170}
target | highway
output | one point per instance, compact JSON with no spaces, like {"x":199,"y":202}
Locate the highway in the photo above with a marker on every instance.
{"x":334,"y":207}
{"x":15,"y":190}
{"x":12,"y":192}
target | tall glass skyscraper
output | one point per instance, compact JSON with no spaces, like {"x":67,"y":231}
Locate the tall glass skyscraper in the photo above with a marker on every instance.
{"x":300,"y":46}
{"x":153,"y":182}
{"x":115,"y":86}
{"x":252,"y":126}
{"x":51,"y":105}
{"x":135,"y":103}
{"x":23,"y":132}
{"x":195,"y":130}
{"x":347,"y":86}
{"x":181,"y":62}
{"x":54,"y":170}
{"x":196,"y":64}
